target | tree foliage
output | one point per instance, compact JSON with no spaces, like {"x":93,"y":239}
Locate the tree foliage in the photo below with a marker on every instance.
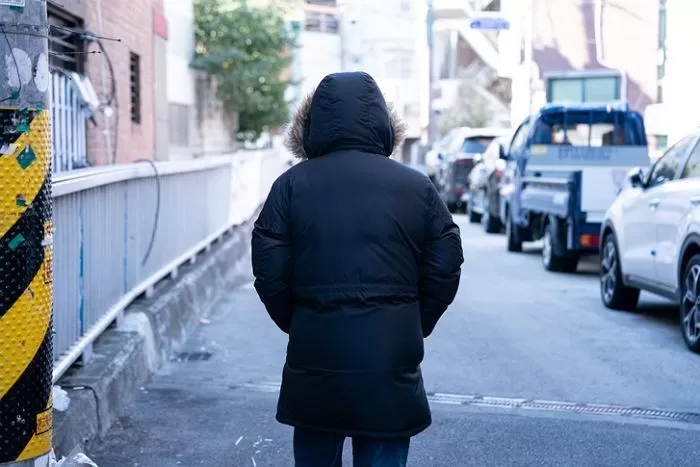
{"x":470,"y":109}
{"x":246,"y":49}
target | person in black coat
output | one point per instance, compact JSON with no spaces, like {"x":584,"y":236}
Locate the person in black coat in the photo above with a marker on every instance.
{"x":356,"y":257}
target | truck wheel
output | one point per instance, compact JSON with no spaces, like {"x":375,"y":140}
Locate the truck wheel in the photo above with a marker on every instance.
{"x":512,"y":235}
{"x":613,"y":292}
{"x":555,"y":257}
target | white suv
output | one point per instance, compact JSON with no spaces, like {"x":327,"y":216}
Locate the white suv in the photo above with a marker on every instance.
{"x":650,"y":238}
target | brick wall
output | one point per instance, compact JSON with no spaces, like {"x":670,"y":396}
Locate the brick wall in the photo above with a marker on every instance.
{"x":132,"y":22}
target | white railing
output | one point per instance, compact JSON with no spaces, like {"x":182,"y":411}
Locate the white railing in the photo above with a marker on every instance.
{"x":121,"y":229}
{"x":68,"y":125}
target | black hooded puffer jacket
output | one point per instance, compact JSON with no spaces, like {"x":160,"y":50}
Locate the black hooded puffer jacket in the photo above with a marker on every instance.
{"x":356,"y":257}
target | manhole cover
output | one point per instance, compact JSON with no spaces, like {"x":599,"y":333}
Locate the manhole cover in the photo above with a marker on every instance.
{"x":193,"y":356}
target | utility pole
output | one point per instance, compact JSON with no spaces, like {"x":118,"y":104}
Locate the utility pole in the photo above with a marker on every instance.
{"x":430,"y":23}
{"x":26,"y":251}
{"x":528,"y":51}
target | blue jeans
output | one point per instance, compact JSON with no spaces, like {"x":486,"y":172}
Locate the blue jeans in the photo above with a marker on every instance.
{"x":314,"y":448}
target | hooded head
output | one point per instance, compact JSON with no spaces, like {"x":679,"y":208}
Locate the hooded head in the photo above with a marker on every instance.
{"x":347,"y":111}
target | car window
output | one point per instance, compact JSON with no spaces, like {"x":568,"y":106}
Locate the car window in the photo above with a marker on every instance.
{"x":692,"y":167}
{"x":475,"y":144}
{"x":667,"y":166}
{"x":492,"y":152}
{"x":520,"y":137}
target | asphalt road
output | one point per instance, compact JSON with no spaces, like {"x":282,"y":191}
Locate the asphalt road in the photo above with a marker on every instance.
{"x":527,"y":368}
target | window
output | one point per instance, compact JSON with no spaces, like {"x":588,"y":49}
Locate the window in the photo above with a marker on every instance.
{"x":692,"y":167}
{"x":660,"y":142}
{"x":135,"y":69}
{"x":318,"y":22}
{"x":65,"y":47}
{"x":588,"y":89}
{"x":597,"y":134}
{"x":520,"y":137}
{"x":666,"y":167}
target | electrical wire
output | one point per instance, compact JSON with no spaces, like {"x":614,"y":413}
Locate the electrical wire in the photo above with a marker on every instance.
{"x":156,"y":217}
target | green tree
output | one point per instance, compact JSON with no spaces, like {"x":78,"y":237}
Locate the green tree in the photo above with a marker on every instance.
{"x":246,"y":50}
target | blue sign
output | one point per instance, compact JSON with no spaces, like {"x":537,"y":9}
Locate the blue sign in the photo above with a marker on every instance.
{"x":489,"y":23}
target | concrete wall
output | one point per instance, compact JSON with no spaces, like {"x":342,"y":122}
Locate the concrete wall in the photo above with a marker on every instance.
{"x":181,"y":80}
{"x":320,"y":54}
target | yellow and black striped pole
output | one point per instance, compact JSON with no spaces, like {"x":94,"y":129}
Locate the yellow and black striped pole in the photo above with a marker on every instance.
{"x":26,"y":246}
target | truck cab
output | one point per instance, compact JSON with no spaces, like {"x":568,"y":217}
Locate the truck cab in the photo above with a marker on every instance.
{"x":569,"y":163}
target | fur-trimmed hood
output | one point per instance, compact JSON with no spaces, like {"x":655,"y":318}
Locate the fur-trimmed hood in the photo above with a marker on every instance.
{"x":347,"y":111}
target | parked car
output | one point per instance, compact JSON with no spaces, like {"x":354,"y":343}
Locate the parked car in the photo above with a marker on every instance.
{"x":484,"y":183}
{"x":651,"y":237}
{"x":465,"y":144}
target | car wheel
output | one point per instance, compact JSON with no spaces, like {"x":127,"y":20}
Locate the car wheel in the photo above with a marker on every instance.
{"x":492,"y":224}
{"x":474,"y":217}
{"x":613,"y":292}
{"x":513,"y":242}
{"x":555,"y":258}
{"x":690,"y":304}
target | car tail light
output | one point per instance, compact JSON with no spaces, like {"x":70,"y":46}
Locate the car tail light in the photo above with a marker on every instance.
{"x":590,"y":240}
{"x":498,"y":173}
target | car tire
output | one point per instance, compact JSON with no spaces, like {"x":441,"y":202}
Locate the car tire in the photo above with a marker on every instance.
{"x":555,"y":257}
{"x":613,"y":292}
{"x":513,"y":242}
{"x":492,"y":224}
{"x":689,"y":314}
{"x":474,"y":217}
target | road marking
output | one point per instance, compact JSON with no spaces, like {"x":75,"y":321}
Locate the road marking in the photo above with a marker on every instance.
{"x":536,"y":405}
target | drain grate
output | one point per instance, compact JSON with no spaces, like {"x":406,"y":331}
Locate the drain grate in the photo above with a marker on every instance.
{"x":537,"y":405}
{"x":193,"y":356}
{"x":570,"y":407}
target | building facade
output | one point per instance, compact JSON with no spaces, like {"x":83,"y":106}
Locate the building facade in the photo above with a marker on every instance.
{"x":590,"y":40}
{"x":607,"y":49}
{"x":380,"y":38}
{"x":117,"y":49}
{"x":679,"y":109}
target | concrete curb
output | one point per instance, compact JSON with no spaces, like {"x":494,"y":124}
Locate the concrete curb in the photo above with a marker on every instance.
{"x":151,"y":331}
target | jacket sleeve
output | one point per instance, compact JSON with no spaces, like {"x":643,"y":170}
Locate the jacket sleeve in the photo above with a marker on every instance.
{"x":441,"y":260}
{"x":272,"y":255}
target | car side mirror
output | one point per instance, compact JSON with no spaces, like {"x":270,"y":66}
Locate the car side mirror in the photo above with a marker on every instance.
{"x":635,"y":177}
{"x":502,"y":152}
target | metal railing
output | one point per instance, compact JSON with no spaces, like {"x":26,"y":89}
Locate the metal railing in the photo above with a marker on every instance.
{"x":121,"y":229}
{"x":68,"y":125}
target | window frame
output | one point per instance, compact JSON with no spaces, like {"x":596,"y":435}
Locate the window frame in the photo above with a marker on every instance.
{"x":135,"y":85}
{"x":524,"y":128}
{"x":690,"y":141}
